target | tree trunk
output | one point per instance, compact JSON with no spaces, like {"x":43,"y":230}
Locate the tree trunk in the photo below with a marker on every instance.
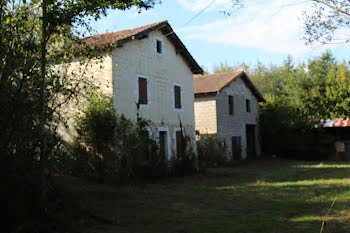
{"x":42,"y":119}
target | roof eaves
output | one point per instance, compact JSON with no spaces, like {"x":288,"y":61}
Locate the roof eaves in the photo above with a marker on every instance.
{"x":200,"y":94}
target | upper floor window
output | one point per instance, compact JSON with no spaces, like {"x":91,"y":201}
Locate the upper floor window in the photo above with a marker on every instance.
{"x":159,"y":46}
{"x":247,"y":103}
{"x":177,"y":97}
{"x":230,"y":104}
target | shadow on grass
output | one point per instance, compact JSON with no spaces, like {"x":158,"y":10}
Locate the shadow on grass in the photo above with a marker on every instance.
{"x":267,"y":196}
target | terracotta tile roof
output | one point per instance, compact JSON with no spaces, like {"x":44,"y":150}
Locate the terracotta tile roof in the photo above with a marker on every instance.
{"x":214,"y":83}
{"x":104,"y":40}
{"x":110,"y":38}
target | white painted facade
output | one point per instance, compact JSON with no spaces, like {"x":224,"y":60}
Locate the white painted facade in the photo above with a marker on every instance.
{"x":139,"y":58}
{"x":119,"y":75}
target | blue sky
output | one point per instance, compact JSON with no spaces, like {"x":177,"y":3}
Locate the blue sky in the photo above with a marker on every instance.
{"x":263,"y":30}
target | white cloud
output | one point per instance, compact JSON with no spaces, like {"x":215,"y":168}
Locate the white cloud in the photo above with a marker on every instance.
{"x":273,"y":26}
{"x":198,"y":5}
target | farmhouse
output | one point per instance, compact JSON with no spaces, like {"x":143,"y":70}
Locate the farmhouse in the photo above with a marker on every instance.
{"x":151,"y":68}
{"x":227,"y":106}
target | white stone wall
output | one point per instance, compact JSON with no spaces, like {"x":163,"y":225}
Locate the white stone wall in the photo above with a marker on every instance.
{"x":139,"y":57}
{"x":205,"y":114}
{"x":235,"y":125}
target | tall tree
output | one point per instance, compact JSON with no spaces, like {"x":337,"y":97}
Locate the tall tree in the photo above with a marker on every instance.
{"x":34,"y":35}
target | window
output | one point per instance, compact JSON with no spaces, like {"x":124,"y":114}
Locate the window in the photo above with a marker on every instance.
{"x":177,"y":97}
{"x":159,"y":46}
{"x":230,"y":104}
{"x":143,"y":95}
{"x":247,"y":103}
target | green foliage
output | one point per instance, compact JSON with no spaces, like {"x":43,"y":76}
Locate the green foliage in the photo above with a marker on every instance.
{"x":29,"y":112}
{"x":211,"y":151}
{"x":99,"y":122}
{"x":298,"y":97}
{"x":185,"y":162}
{"x":109,"y":145}
{"x":139,"y":156}
{"x":35,"y":35}
{"x":225,"y":67}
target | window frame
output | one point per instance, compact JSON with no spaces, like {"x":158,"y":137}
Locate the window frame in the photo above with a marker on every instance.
{"x":160,"y":41}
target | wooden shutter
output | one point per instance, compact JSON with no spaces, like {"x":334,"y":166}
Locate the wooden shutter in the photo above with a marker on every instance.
{"x":177,"y":96}
{"x":179,"y":144}
{"x":230,"y":104}
{"x":143,"y":91}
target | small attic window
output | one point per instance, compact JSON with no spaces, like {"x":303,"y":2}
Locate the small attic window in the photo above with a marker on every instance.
{"x":159,"y":47}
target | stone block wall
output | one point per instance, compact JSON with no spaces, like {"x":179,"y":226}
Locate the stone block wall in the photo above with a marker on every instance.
{"x":235,"y":124}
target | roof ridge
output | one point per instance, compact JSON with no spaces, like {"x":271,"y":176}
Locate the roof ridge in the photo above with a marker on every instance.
{"x":139,"y":27}
{"x":220,"y":73}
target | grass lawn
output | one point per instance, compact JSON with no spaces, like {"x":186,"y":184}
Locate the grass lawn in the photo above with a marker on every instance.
{"x":261,"y":196}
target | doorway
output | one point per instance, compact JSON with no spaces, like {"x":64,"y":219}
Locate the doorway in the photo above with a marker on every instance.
{"x":163,"y":143}
{"x":236,"y":147}
{"x":251,"y":145}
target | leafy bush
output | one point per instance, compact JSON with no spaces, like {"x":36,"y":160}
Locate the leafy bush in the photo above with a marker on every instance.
{"x":186,"y":161}
{"x":139,"y":154}
{"x":211,"y":151}
{"x":109,"y":145}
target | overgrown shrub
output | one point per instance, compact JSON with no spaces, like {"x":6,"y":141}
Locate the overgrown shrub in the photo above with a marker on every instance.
{"x":109,"y":145}
{"x":211,"y":151}
{"x":138,"y":151}
{"x":186,"y":160}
